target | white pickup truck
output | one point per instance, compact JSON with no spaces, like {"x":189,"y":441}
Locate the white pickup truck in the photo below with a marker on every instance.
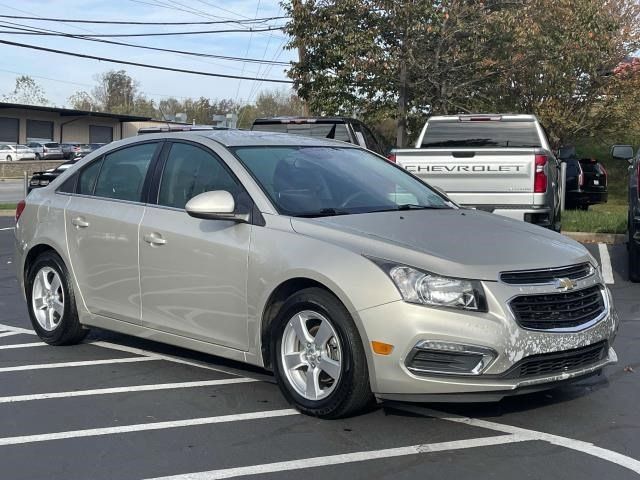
{"x":496,"y":163}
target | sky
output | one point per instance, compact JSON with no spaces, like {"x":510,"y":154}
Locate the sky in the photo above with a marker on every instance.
{"x":60,"y":75}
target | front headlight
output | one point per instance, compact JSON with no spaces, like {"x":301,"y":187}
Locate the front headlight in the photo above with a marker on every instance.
{"x":425,"y":288}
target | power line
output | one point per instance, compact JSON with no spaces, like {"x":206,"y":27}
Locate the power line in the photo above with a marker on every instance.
{"x":115,"y":22}
{"x":145,"y":47}
{"x":144,"y":65}
{"x":156,"y":34}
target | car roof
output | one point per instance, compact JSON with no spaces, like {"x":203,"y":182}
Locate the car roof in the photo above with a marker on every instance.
{"x":298,"y":119}
{"x":248,"y":138}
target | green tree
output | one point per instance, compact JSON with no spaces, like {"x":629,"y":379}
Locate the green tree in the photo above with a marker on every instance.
{"x":26,"y":91}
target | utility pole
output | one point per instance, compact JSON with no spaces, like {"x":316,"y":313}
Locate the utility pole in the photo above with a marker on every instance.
{"x":302,"y":51}
{"x":401,"y":127}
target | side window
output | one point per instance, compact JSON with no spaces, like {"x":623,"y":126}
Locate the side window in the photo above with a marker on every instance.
{"x":372,"y":142}
{"x":88,"y":178}
{"x":123,"y":172}
{"x":190,"y":171}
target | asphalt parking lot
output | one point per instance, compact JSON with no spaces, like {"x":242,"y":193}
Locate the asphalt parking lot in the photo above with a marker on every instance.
{"x":123,"y":408}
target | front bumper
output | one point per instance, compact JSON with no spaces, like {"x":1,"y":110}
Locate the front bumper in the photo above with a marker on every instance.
{"x":404,"y":325}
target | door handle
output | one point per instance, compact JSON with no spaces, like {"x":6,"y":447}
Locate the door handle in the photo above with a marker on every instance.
{"x":154,"y":239}
{"x":80,"y":222}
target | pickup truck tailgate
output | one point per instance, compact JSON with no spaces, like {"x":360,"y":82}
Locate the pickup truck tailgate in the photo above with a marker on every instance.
{"x":474,"y":176}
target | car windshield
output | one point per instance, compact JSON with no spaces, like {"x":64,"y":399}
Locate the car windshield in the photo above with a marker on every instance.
{"x":324,"y":181}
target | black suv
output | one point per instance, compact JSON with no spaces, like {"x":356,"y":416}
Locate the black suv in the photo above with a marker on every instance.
{"x":336,"y":128}
{"x":586,"y":180}
{"x":625,"y":152}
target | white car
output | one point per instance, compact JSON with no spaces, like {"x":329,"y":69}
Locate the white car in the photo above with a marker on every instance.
{"x":16,"y":152}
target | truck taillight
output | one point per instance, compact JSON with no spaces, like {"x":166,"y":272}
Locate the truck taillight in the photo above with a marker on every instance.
{"x":19,"y":209}
{"x":392,"y":157}
{"x":540,"y":179}
{"x":605,"y":173}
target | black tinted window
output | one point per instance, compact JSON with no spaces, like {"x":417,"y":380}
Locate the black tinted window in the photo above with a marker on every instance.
{"x":124,"y":171}
{"x":88,"y":178}
{"x":190,"y":171}
{"x":481,"y":134}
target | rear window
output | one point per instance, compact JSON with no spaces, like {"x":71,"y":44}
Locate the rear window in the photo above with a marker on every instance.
{"x":334,"y":131}
{"x":481,"y":134}
{"x":52,"y":145}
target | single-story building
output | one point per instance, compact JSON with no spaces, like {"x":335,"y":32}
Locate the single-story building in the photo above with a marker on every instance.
{"x":20,"y":124}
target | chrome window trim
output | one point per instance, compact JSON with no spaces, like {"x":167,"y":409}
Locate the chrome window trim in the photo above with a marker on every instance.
{"x":578,"y":328}
{"x":95,"y":197}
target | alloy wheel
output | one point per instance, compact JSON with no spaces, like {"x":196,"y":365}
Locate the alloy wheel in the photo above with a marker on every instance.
{"x":47,"y":298}
{"x":311,"y":355}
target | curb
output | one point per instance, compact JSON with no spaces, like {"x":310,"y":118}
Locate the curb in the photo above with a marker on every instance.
{"x":588,"y":237}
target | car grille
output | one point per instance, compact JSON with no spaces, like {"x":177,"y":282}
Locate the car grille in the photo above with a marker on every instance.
{"x":558,"y":362}
{"x":548,"y":275}
{"x":558,"y":310}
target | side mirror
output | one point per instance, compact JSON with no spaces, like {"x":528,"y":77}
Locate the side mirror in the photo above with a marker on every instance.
{"x":622,"y":152}
{"x":215,"y":205}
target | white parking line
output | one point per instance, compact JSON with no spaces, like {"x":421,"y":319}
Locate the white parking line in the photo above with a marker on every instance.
{"x":578,"y":445}
{"x":7,"y":228}
{"x":17,"y":329}
{"x":346,"y":458}
{"x":22,"y":345}
{"x":605,"y":261}
{"x":8,"y":334}
{"x":143,"y":427}
{"x":134,"y":388}
{"x":44,"y":366}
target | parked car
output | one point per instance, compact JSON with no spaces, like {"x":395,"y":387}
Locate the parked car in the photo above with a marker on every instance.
{"x":11,"y":153}
{"x":497,"y":163}
{"x":42,"y":179}
{"x":625,"y":152}
{"x":586,"y":180}
{"x":46,"y":150}
{"x":74,"y":150}
{"x":345,"y":129}
{"x":341,"y":272}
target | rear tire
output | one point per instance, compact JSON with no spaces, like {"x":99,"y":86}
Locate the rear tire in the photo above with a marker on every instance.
{"x":51,"y":302}
{"x":9,"y":158}
{"x":336,"y":361}
{"x":37,"y":156}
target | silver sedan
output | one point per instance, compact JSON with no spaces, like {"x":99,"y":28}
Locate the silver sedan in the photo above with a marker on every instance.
{"x":10,"y":153}
{"x":345,"y":275}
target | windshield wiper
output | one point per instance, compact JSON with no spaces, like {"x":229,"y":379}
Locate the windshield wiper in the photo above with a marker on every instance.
{"x":411,"y":206}
{"x":324,"y":212}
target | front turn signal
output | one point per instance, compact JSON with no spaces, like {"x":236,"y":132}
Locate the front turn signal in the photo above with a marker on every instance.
{"x":381,"y":348}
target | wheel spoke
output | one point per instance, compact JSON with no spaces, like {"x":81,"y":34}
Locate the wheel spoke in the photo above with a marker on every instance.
{"x":313,"y":383}
{"x":299,"y":324}
{"x":293,"y":361}
{"x":49,"y":318}
{"x":39,"y":303}
{"x":44,"y":278}
{"x":55,"y":283}
{"x":58,"y":307}
{"x":330,"y":367}
{"x":323,"y":334}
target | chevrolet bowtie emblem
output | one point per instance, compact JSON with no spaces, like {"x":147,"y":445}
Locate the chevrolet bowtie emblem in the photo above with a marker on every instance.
{"x":564,"y":284}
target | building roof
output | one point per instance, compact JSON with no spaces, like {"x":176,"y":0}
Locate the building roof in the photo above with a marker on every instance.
{"x":68,"y":112}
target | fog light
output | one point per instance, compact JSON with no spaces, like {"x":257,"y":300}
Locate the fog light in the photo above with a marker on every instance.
{"x":448,"y":358}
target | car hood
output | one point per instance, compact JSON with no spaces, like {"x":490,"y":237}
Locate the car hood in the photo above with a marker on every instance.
{"x":454,"y":242}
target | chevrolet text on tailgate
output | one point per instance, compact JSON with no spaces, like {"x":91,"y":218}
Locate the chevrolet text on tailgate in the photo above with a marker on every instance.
{"x":496,"y":163}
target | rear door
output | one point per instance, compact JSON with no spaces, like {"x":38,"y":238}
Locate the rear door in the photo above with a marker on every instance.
{"x":102,"y":220}
{"x":193,"y":272}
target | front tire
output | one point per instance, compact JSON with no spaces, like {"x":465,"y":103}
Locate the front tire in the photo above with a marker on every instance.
{"x":9,"y":159}
{"x":318,"y":356}
{"x":51,"y":302}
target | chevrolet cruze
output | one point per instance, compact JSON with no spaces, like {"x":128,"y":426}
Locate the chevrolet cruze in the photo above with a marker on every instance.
{"x":347,"y":276}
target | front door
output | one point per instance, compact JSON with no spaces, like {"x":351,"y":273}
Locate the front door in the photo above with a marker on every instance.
{"x":193,"y":273}
{"x":102,"y":222}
